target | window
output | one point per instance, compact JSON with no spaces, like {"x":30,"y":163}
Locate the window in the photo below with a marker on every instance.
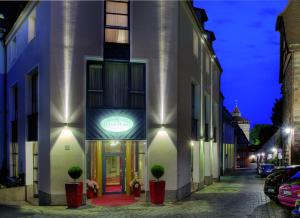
{"x":137,"y":86}
{"x":194,"y":120}
{"x":14,"y":101}
{"x":116,"y":22}
{"x":14,"y":159}
{"x":116,"y":85}
{"x":195,"y":43}
{"x":32,"y":118}
{"x":207,"y":63}
{"x":13,"y":49}
{"x":31,"y":25}
{"x":206,"y":117}
{"x":34,"y":93}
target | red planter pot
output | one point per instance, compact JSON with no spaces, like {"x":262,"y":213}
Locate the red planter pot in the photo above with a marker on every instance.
{"x":157,"y":191}
{"x":136,"y":191}
{"x":74,"y":194}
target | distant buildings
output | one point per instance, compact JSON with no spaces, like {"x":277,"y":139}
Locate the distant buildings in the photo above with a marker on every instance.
{"x":113,"y":87}
{"x":235,"y":146}
{"x":288,"y":24}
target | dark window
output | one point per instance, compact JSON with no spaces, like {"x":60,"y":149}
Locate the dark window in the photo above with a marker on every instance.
{"x":34,"y":93}
{"x":15,"y":103}
{"x":206,"y":132}
{"x":116,"y":85}
{"x":14,"y":120}
{"x":137,"y":86}
{"x":194,"y":120}
{"x":95,"y":85}
{"x":14,"y":159}
{"x":32,"y":118}
{"x":215,"y":134}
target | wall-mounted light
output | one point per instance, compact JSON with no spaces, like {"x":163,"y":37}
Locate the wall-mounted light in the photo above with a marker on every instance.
{"x":192,"y":144}
{"x":287,"y":130}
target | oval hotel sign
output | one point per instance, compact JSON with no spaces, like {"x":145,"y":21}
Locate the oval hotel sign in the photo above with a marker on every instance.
{"x":116,"y":124}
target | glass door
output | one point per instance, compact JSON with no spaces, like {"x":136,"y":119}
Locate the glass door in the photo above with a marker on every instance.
{"x":113,"y":164}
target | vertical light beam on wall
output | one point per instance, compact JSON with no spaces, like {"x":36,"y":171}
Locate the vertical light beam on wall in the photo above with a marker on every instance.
{"x":162,"y":61}
{"x":67,"y":53}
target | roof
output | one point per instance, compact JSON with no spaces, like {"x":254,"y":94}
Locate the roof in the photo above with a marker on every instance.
{"x":10,"y":11}
{"x":288,"y":22}
{"x":237,"y":117}
{"x":240,"y":120}
{"x":236,"y":110}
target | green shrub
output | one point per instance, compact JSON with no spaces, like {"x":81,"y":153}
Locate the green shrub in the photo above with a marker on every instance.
{"x":157,"y":171}
{"x":75,"y":172}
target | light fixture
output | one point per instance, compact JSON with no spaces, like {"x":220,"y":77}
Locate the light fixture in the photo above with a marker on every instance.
{"x":263,"y":154}
{"x":287,"y":130}
{"x":192,"y":144}
{"x":274,"y":150}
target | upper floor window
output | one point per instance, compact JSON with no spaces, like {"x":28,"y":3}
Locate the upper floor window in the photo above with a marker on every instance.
{"x":116,"y":22}
{"x":32,"y":25}
{"x":207,"y":63}
{"x":14,"y":103}
{"x":34,"y":93}
{"x":13,"y":49}
{"x":195,"y":44}
{"x":194,"y":119}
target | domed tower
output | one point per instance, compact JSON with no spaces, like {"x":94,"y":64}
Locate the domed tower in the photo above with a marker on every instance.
{"x":243,"y":123}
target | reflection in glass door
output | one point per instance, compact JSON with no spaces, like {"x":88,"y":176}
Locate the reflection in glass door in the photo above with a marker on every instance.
{"x":113,"y":167}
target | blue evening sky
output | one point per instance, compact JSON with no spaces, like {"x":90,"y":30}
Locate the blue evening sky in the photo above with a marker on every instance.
{"x":247,"y":47}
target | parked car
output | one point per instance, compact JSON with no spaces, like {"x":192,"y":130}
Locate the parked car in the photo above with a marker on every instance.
{"x":276,"y":178}
{"x":265,"y":169}
{"x":288,"y":191}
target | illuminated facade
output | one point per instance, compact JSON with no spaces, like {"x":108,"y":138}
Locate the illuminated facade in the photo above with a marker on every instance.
{"x":288,"y":25}
{"x":113,"y":87}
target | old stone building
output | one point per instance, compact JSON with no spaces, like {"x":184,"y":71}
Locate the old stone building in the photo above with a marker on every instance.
{"x":288,"y":24}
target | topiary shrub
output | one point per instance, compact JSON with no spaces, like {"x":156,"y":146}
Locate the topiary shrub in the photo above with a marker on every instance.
{"x":157,"y":171}
{"x":75,"y":172}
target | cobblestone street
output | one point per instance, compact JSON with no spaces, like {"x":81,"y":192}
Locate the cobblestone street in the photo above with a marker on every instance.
{"x":239,"y":195}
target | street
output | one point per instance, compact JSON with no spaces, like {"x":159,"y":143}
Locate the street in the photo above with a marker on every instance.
{"x":239,"y":195}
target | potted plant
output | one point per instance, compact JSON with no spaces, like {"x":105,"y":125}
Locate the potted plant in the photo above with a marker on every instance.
{"x":157,"y":187}
{"x":74,"y":189}
{"x":92,"y":188}
{"x":135,"y":187}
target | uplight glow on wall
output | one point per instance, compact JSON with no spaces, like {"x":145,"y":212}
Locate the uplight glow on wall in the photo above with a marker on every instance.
{"x":116,"y":124}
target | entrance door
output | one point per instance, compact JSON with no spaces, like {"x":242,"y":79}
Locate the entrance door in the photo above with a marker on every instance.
{"x":113,"y":164}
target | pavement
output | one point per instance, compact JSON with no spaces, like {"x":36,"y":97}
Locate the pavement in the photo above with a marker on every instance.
{"x":238,"y":195}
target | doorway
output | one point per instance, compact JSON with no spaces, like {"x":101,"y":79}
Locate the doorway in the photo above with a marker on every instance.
{"x":113,"y":167}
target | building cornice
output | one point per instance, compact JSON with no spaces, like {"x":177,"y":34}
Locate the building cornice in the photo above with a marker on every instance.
{"x":20,"y":20}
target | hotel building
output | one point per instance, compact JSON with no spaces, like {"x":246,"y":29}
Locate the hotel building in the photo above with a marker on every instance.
{"x":113,"y":87}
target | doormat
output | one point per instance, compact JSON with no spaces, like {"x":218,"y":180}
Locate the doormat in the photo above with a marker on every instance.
{"x":113,"y":200}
